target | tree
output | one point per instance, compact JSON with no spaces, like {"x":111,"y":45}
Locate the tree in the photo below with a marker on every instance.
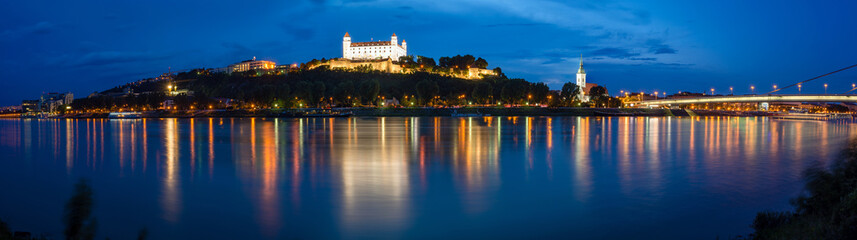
{"x":78,"y":219}
{"x":344,"y":91}
{"x":514,"y":90}
{"x":480,"y":63}
{"x":406,"y":59}
{"x":5,"y":232}
{"x":614,"y":102}
{"x":369,"y":90}
{"x":427,"y":89}
{"x":569,"y":93}
{"x":482,"y":92}
{"x":445,"y":62}
{"x":540,"y":92}
{"x":598,"y":91}
{"x":425,"y":61}
{"x":318,"y":89}
{"x":302,"y":90}
{"x":598,"y":96}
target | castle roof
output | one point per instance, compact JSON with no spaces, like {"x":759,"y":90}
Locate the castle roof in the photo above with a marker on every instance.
{"x":394,"y":34}
{"x":378,"y":43}
{"x":346,"y":34}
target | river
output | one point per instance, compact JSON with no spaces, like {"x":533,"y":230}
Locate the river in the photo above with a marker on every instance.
{"x":411,"y":177}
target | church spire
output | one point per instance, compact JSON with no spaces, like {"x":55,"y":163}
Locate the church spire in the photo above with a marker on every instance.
{"x":580,"y":70}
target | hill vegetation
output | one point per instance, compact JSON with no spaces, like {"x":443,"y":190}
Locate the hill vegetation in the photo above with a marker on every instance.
{"x":826,"y":210}
{"x":325,"y":87}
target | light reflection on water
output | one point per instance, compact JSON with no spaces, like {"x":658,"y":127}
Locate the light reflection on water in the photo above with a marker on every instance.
{"x":508,"y":177}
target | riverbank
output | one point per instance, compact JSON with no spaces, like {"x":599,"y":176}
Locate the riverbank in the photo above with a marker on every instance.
{"x":428,"y":112}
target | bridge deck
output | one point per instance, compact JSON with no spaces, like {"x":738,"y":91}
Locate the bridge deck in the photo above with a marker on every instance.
{"x":752,"y":98}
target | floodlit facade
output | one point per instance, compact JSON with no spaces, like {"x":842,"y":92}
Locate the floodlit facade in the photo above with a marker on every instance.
{"x":581,"y":82}
{"x":252,"y":64}
{"x":373,"y":50}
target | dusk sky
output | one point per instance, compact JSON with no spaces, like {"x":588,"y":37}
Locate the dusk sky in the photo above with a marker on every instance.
{"x":87,"y":46}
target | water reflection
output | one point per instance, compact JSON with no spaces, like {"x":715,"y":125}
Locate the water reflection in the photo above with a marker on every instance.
{"x":374,"y":177}
{"x":171,"y":195}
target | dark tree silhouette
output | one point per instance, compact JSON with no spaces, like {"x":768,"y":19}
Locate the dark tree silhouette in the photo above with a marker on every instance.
{"x":78,"y":219}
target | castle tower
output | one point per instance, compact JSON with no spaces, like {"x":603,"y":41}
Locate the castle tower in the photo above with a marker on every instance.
{"x":346,"y":44}
{"x":394,"y":40}
{"x":581,"y":80}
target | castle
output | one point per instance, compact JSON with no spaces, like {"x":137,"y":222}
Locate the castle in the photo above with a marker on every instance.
{"x":384,"y":56}
{"x":373,"y":50}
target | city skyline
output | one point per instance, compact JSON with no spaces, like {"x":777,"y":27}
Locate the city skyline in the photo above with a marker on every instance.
{"x":631,"y":46}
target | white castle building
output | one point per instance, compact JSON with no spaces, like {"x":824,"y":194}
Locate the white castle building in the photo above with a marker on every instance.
{"x":373,"y":50}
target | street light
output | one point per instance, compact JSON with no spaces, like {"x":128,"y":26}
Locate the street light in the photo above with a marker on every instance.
{"x":752,"y":89}
{"x":731,"y":92}
{"x":798,"y":88}
{"x":825,"y":88}
{"x":712,"y":91}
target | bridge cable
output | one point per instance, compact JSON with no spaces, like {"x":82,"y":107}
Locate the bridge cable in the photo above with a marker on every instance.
{"x":795,"y":84}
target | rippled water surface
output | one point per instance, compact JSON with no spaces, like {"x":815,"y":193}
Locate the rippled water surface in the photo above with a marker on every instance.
{"x":421,"y":177}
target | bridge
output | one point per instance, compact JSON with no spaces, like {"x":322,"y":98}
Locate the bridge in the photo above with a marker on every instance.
{"x":749,"y":99}
{"x":762,"y":98}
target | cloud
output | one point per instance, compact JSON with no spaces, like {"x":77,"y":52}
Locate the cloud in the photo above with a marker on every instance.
{"x":512,"y":25}
{"x":615,"y":30}
{"x":297,"y":33}
{"x":658,"y":47}
{"x":39,"y":28}
{"x":613,"y":52}
{"x":104,"y":58}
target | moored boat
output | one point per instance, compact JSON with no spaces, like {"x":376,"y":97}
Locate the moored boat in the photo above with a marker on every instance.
{"x":124,"y":115}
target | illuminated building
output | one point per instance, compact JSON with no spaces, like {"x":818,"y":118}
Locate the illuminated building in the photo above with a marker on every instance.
{"x":373,"y":50}
{"x":252,"y":64}
{"x":48,"y":102}
{"x":581,"y":82}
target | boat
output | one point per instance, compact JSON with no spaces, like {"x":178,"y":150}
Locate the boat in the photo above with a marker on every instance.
{"x":477,"y":114}
{"x":124,"y":115}
{"x":813,"y":116}
{"x":325,"y":114}
{"x":613,"y":114}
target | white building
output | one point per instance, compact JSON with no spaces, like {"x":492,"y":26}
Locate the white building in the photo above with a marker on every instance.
{"x":581,"y":82}
{"x":373,"y":50}
{"x":252,"y":64}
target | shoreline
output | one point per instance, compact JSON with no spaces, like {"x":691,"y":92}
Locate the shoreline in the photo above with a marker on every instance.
{"x":431,"y":112}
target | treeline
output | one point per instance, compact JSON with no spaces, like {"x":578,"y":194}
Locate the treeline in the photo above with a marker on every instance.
{"x":325,"y":87}
{"x":827,"y":209}
{"x":458,"y":61}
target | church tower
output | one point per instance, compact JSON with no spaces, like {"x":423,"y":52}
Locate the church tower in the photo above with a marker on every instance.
{"x":346,"y":44}
{"x":581,"y":80}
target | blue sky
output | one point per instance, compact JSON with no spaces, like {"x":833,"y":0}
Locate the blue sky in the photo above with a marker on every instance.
{"x":84,"y":46}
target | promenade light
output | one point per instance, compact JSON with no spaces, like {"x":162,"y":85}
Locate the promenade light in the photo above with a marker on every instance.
{"x":752,"y":89}
{"x":825,"y":88}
